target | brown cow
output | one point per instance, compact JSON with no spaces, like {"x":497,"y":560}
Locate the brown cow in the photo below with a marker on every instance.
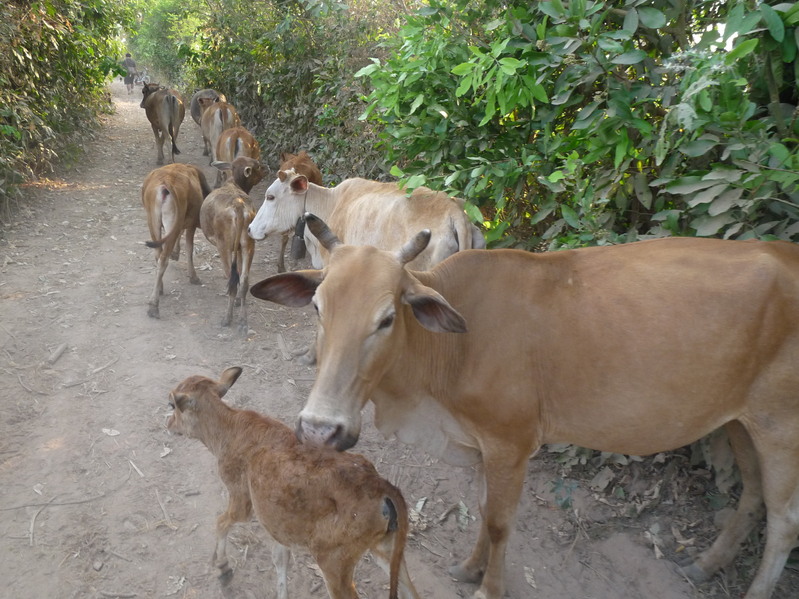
{"x":201,"y":100}
{"x":224,"y":217}
{"x":232,"y":143}
{"x":165,"y":111}
{"x":302,"y":164}
{"x":635,"y":349}
{"x":172,"y":196}
{"x":216,"y":118}
{"x":335,"y":505}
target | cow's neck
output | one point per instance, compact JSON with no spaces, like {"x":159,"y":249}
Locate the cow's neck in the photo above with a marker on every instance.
{"x":319,"y":201}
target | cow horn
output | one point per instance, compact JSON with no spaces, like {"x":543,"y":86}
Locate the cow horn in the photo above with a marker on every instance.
{"x":414,"y":247}
{"x":321,"y":231}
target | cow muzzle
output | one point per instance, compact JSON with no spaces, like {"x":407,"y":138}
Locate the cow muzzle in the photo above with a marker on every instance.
{"x":323,"y":434}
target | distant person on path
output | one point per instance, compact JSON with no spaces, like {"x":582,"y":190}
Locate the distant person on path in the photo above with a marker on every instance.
{"x":130,"y":65}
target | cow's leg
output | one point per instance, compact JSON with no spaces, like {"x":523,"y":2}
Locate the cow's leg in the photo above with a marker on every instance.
{"x":158,"y":289}
{"x":193,"y":278}
{"x":248,"y":251}
{"x":779,"y":458}
{"x":337,"y":570}
{"x":382,"y":555}
{"x":239,"y":510}
{"x":503,"y":471}
{"x":281,"y":257}
{"x":749,"y":512}
{"x":280,"y":558}
{"x":159,"y":144}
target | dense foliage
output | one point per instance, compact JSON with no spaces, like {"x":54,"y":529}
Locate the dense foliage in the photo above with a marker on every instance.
{"x":287,"y":67}
{"x":587,"y":122}
{"x":56,"y":60}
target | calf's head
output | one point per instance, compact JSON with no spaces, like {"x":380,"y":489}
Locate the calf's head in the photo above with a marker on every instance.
{"x":147,"y":89}
{"x":195,"y":401}
{"x":368,"y":306}
{"x":244,"y":171}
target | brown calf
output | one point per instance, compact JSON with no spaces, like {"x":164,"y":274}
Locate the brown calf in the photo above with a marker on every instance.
{"x":334,"y":504}
{"x":302,"y":164}
{"x":165,"y":111}
{"x":232,"y":143}
{"x":172,"y":196}
{"x":216,"y":118}
{"x":224,"y":217}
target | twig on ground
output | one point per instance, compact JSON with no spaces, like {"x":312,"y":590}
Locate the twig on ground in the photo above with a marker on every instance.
{"x":33,"y":520}
{"x":57,"y":353}
{"x":163,"y":509}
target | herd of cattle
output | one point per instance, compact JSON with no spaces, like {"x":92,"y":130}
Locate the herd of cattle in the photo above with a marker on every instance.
{"x":477,"y":356}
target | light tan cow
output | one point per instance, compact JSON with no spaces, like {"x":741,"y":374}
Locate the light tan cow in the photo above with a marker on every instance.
{"x":224,"y":217}
{"x":636,"y":349}
{"x":201,"y":100}
{"x":172,"y":196}
{"x":232,"y":143}
{"x":335,"y":505}
{"x":363,"y":212}
{"x":217,"y":117}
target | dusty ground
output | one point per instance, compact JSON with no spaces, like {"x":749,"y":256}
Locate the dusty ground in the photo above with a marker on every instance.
{"x":99,"y":502}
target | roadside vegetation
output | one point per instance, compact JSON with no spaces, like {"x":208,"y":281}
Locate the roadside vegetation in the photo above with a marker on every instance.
{"x":563,"y":123}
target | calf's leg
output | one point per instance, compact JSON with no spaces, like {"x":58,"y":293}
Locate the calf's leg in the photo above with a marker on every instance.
{"x":193,"y":278}
{"x":337,"y":570}
{"x":239,"y":510}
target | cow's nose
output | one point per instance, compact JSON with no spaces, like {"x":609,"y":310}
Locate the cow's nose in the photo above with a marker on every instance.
{"x":322,"y":434}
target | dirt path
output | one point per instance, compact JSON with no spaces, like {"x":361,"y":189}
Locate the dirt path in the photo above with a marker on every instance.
{"x":99,"y":502}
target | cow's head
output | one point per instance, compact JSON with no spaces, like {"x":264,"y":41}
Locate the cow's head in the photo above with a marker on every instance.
{"x":147,"y":89}
{"x":244,"y":171}
{"x":195,"y":401}
{"x":283,"y":204}
{"x":368,"y":305}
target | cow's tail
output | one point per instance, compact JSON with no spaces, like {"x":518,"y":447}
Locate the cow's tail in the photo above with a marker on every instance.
{"x":162,"y":194}
{"x":172,"y":109}
{"x":235,"y":250}
{"x":396,"y":511}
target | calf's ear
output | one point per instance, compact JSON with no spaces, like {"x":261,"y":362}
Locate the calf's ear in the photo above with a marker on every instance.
{"x":432,"y":311}
{"x":293,"y":289}
{"x":226,"y":380}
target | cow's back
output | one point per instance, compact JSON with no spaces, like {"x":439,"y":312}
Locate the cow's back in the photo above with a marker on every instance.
{"x":608,"y":339}
{"x":385,"y":216}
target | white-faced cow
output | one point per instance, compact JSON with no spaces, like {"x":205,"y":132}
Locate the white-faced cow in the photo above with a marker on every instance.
{"x":232,"y":143}
{"x":165,"y":111}
{"x":224,"y":217}
{"x":201,"y":100}
{"x":216,"y":118}
{"x":636,"y":349}
{"x":334,"y":504}
{"x":363,"y":212}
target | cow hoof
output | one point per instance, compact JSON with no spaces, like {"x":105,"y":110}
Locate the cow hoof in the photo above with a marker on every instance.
{"x":308,"y":357}
{"x":152,"y":312}
{"x":226,"y":575}
{"x":694,"y":573}
{"x":195,"y":281}
{"x":461,"y":573}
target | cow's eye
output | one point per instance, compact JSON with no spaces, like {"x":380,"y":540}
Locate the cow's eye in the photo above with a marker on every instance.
{"x":270,"y":198}
{"x":386,"y":322}
{"x":171,"y":405}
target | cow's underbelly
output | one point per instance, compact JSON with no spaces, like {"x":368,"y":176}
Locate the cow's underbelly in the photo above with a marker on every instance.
{"x":429,"y":427}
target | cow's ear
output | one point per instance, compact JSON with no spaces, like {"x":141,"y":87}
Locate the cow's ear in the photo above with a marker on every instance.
{"x":181,"y":401}
{"x":299,"y":184}
{"x":229,"y":376}
{"x":432,"y":311}
{"x":294,"y":289}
